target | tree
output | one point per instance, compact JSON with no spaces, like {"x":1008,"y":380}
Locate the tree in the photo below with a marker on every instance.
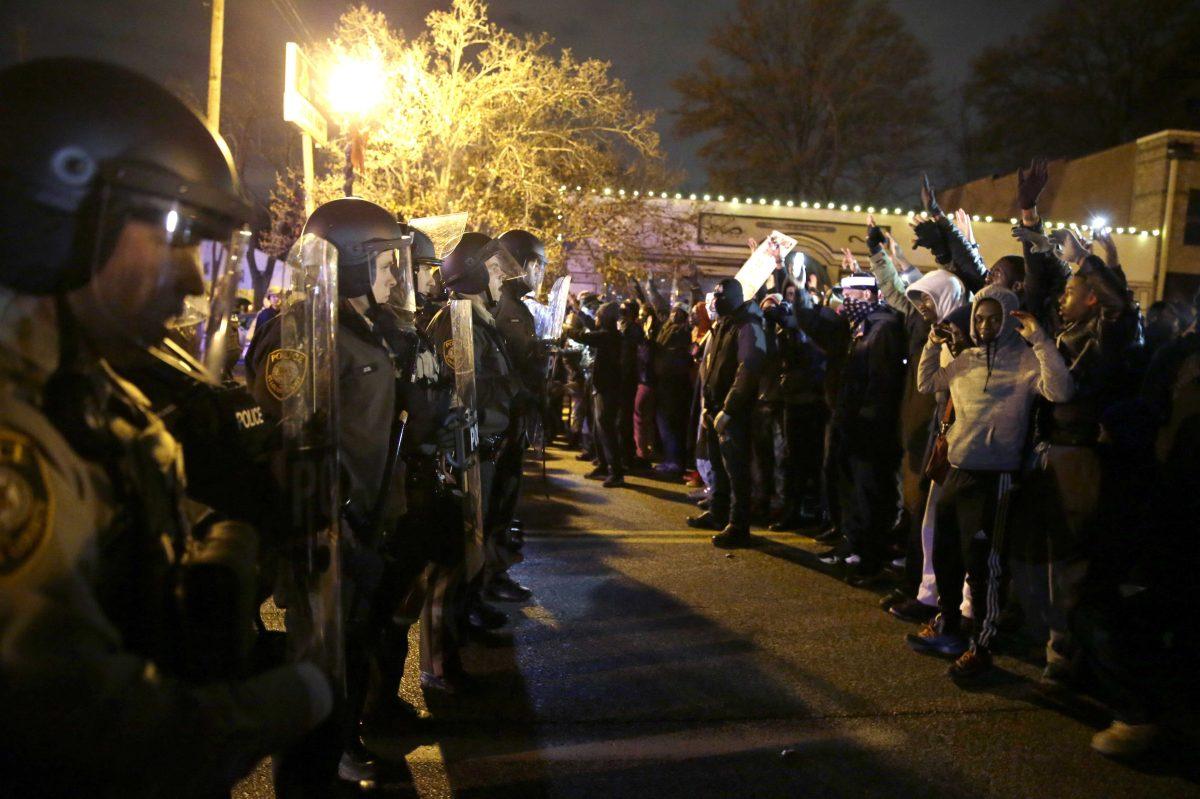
{"x":477,"y":119}
{"x":809,"y":96}
{"x":1093,"y":74}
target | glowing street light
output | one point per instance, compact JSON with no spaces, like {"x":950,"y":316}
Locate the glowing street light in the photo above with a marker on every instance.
{"x":355,"y":86}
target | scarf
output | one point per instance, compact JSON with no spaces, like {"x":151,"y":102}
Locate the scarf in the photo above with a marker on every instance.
{"x":857,"y":311}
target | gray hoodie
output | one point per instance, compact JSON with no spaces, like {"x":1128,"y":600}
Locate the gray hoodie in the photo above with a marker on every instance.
{"x":993,"y":387}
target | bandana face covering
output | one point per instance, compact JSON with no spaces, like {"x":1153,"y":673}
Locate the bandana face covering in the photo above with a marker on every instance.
{"x":858,"y":310}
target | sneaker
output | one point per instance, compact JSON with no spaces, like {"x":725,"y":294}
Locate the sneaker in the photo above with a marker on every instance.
{"x":733,"y":538}
{"x":1125,"y":740}
{"x":833,"y":557}
{"x":598,"y":473}
{"x":913,"y":611}
{"x":971,"y":664}
{"x":930,"y":640}
{"x":615,"y":481}
{"x":828,"y":535}
{"x":705,"y":521}
{"x":692,"y":479}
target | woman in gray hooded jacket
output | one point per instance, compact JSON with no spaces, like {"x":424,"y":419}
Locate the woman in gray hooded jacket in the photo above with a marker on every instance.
{"x":993,"y":385}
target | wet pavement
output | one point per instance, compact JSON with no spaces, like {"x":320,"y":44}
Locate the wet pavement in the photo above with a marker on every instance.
{"x":651,"y":664}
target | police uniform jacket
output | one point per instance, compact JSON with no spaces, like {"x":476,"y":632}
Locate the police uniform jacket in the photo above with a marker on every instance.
{"x":366,"y":399}
{"x":88,"y":707}
{"x":496,"y":383}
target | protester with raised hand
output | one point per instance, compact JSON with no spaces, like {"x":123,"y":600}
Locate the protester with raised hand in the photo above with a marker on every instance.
{"x":992,"y":385}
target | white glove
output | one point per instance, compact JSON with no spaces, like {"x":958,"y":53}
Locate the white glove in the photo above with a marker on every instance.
{"x":721,"y":422}
{"x":426,"y":366}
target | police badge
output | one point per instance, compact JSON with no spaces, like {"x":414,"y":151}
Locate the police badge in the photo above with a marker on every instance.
{"x":26,"y":507}
{"x":285,"y":372}
{"x":450,"y":351}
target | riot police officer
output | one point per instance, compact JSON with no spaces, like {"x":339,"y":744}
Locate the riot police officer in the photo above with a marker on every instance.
{"x":109,"y":184}
{"x":465,"y":274}
{"x":368,"y":241}
{"x":515,"y":323}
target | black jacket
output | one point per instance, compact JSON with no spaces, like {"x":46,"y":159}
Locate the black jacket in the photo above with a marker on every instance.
{"x":733,"y":362}
{"x":868,"y":400}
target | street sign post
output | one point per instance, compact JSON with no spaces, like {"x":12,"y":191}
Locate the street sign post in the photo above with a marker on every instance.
{"x":300,"y":108}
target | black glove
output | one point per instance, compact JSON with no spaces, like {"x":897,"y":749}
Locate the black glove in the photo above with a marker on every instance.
{"x":929,"y":236}
{"x":1031,"y":182}
{"x":929,"y":197}
{"x":875,"y":239}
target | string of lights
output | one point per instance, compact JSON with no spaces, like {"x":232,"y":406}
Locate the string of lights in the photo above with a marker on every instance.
{"x":1095,"y":225}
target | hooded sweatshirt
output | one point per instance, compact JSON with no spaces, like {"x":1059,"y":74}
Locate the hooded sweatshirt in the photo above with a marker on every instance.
{"x":993,"y":387}
{"x":918,"y":410}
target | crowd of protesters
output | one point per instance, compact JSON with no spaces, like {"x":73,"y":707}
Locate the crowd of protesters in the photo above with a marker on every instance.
{"x":1007,"y":446}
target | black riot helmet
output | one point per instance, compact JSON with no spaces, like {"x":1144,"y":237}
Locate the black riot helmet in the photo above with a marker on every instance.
{"x":361,"y":231}
{"x":86,"y":146}
{"x":528,"y":251}
{"x":423,"y":251}
{"x":463,"y":271}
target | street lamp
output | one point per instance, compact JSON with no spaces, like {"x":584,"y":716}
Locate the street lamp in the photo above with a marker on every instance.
{"x":355,"y":87}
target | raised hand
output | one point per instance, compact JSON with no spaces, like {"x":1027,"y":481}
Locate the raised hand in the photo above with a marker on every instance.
{"x":875,"y":237}
{"x":1027,"y":324}
{"x":962,"y":220}
{"x":1031,"y":182}
{"x":849,"y":262}
{"x":929,"y":198}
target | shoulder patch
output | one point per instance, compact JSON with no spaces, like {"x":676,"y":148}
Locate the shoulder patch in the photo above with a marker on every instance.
{"x":285,"y":372}
{"x":26,"y":504}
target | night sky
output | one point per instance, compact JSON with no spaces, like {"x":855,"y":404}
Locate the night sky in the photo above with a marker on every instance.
{"x":649,"y":42}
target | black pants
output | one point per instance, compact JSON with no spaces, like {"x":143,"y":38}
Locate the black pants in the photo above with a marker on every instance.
{"x":732,"y":485}
{"x":804,"y":431}
{"x":607,"y":412}
{"x":868,"y":495}
{"x":972,"y":517}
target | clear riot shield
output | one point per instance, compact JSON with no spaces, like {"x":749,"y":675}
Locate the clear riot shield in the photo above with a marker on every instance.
{"x":302,"y":375}
{"x":444,"y":231}
{"x":761,"y":263}
{"x":460,"y":356}
{"x":550,"y":324}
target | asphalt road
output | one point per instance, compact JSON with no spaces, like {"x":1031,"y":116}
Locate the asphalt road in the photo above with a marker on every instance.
{"x":652,"y":665}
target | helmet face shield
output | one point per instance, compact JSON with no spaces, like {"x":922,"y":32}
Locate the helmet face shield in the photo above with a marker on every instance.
{"x":535,"y":275}
{"x":403,"y":296}
{"x":165,"y":276}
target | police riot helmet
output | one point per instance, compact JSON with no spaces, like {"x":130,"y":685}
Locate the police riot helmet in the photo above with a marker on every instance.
{"x":423,"y":251}
{"x":360,"y":230}
{"x":528,"y":251}
{"x":86,"y":146}
{"x":463,"y":271}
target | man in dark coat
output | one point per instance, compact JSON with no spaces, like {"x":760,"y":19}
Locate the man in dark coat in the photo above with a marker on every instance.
{"x":730,"y":373}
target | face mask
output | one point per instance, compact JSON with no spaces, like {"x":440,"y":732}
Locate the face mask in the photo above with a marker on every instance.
{"x":722,"y":305}
{"x":858,"y":310}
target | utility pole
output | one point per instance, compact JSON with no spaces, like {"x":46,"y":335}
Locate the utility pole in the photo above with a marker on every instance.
{"x":215,"y":48}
